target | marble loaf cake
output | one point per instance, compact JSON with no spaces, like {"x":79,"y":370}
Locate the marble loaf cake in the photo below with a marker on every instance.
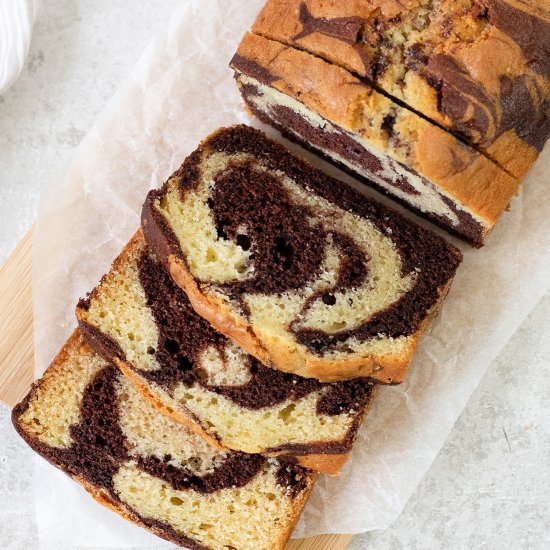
{"x":84,"y":417}
{"x":306,"y":274}
{"x":479,"y":68}
{"x":139,"y":319}
{"x":333,"y":112}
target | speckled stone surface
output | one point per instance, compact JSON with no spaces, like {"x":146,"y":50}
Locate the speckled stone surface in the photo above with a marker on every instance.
{"x":489,"y":486}
{"x":80,"y":53}
{"x":17,"y":525}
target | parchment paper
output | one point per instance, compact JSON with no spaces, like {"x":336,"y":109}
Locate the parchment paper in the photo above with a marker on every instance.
{"x":180,"y":91}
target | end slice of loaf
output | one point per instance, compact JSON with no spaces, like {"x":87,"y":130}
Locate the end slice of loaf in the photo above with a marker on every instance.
{"x":139,"y":319}
{"x":85,"y":418}
{"x":306,"y":274}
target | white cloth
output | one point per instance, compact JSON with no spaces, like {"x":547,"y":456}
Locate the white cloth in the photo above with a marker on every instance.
{"x":16,"y":23}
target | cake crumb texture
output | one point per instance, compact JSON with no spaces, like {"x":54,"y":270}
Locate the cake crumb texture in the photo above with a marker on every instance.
{"x":304,"y":273}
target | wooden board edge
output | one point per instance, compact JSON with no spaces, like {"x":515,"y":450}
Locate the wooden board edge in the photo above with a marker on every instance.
{"x":16,"y":324}
{"x":322,"y":542}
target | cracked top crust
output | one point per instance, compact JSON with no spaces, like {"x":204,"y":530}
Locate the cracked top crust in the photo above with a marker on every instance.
{"x":466,"y":175}
{"x":480,"y":68}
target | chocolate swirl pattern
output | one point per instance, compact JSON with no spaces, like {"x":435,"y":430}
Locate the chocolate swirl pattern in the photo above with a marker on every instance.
{"x":346,"y":29}
{"x":87,"y":419}
{"x":509,"y":102}
{"x":360,"y":272}
{"x":141,"y":319}
{"x":522,"y":108}
{"x":316,"y":271}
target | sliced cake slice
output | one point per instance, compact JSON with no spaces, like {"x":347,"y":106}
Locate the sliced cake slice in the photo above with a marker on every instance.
{"x":142,"y":321}
{"x":305,"y":273}
{"x":331,"y":111}
{"x":479,"y":68}
{"x":84,"y":417}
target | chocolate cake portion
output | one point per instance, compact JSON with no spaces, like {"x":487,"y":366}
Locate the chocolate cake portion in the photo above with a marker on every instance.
{"x":327,"y":109}
{"x":479,"y":68}
{"x":87,"y":419}
{"x":304,"y":273}
{"x":140,"y":319}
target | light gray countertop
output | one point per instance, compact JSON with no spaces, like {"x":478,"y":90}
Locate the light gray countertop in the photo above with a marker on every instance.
{"x":488,"y":487}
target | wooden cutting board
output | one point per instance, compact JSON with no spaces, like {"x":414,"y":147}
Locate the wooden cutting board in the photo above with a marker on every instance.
{"x":17,"y":353}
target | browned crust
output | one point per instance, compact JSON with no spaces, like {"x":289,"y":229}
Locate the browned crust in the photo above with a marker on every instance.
{"x":326,"y":464}
{"x":475,"y":183}
{"x":489,"y":56}
{"x":74,"y":344}
{"x":280,"y":20}
{"x":299,"y":504}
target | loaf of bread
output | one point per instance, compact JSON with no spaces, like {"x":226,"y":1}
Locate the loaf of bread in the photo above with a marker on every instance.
{"x":479,"y":68}
{"x":328,"y":109}
{"x":84,"y":417}
{"x":139,"y":319}
{"x":306,"y":274}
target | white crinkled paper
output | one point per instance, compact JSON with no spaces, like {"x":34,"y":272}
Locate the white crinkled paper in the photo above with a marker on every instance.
{"x":180,"y":91}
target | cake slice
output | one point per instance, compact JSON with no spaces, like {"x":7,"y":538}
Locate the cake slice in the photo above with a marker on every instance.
{"x":303,"y":272}
{"x":479,"y":68}
{"x":329,"y":110}
{"x":85,"y":418}
{"x":139,"y":319}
